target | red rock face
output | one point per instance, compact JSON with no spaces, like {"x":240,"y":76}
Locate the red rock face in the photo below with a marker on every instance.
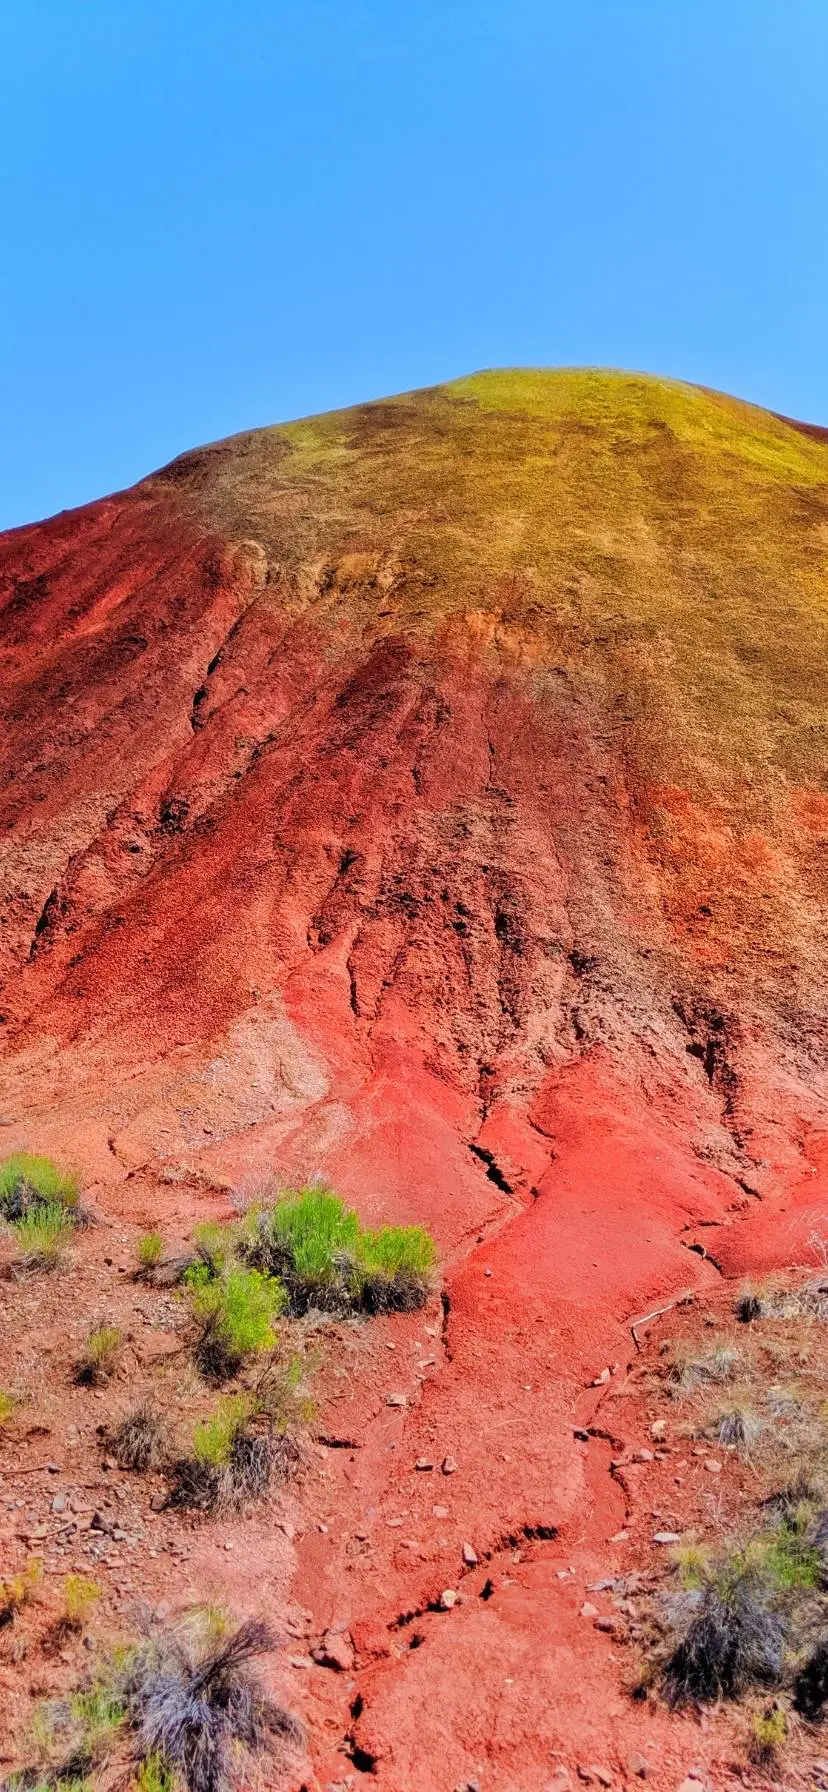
{"x":301,"y":877}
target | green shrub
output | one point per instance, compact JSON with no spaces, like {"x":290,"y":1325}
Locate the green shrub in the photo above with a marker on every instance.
{"x":20,"y":1589}
{"x":149,"y":1251}
{"x":215,"y":1245}
{"x":236,"y":1454}
{"x":326,"y":1259}
{"x":213,"y":1438}
{"x":27,"y":1182}
{"x":80,"y":1596}
{"x":42,"y":1233}
{"x":100,"y":1356}
{"x":769,"y":1734}
{"x":8,"y":1406}
{"x":235,"y":1313}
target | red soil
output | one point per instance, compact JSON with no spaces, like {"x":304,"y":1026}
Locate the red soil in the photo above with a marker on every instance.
{"x":287,"y":892}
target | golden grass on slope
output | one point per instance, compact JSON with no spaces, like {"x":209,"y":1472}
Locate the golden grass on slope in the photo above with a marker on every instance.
{"x":670,"y":539}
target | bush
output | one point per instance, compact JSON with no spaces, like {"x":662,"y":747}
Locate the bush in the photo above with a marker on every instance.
{"x":8,"y":1406}
{"x":182,"y":1708}
{"x":19,"y":1589}
{"x":196,"y":1707}
{"x":141,"y":1441}
{"x":735,"y":1640}
{"x":326,"y":1259}
{"x":42,"y":1233}
{"x":149,"y":1251}
{"x":235,"y":1310}
{"x":770,"y":1732}
{"x":737,"y":1427}
{"x":80,"y":1596}
{"x":101,"y":1354}
{"x":811,"y":1684}
{"x":27,"y":1182}
{"x":236,"y":1455}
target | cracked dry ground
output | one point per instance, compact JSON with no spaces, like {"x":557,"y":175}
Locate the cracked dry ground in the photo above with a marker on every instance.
{"x":447,"y":839}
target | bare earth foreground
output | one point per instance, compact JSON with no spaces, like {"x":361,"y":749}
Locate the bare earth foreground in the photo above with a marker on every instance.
{"x":432,"y":796}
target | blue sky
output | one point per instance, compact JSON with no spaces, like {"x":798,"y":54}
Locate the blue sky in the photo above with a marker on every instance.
{"x":222,"y":214}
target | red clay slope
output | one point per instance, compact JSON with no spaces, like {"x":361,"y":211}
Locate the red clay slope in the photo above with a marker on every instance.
{"x":435,"y":796}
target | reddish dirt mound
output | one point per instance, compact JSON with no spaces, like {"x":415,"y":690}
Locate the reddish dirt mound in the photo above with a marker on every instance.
{"x":434,"y":796}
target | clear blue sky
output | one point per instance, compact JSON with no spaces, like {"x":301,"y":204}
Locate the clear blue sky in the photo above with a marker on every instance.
{"x":222,"y":214}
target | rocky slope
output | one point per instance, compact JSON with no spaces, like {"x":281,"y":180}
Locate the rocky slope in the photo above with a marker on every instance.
{"x":434,"y":795}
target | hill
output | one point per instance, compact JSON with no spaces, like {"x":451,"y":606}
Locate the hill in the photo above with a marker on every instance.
{"x":434,"y":796}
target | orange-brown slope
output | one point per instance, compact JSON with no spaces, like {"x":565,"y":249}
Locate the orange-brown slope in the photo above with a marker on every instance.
{"x":434,"y":796}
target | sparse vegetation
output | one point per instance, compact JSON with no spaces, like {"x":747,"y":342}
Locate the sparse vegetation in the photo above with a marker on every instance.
{"x":42,"y":1234}
{"x":28,"y":1182}
{"x":811,"y":1684}
{"x":734,"y":1640}
{"x":182,"y":1707}
{"x":8,"y":1406}
{"x":769,"y":1734}
{"x":100,"y":1356}
{"x":234,"y":1309}
{"x":141,"y":1440}
{"x":19,"y":1589}
{"x":326,"y":1259}
{"x":149,"y":1252}
{"x":80,"y":1596}
{"x":247,"y":1443}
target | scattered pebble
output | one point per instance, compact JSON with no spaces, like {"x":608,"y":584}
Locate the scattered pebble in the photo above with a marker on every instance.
{"x":665,"y":1537}
{"x":397,"y":1400}
{"x":448,"y":1598}
{"x":423,"y":1465}
{"x":713,"y":1467}
{"x":589,"y":1611}
{"x":470,"y":1555}
{"x":449,"y":1466}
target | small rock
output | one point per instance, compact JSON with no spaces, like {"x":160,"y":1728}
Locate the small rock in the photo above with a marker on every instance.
{"x":397,"y":1400}
{"x":470,"y":1555}
{"x":422,"y":1465}
{"x":439,"y":1511}
{"x":393,"y":1524}
{"x":599,"y":1382}
{"x":448,"y":1599}
{"x":228,"y":1545}
{"x":59,"y":1502}
{"x":448,"y":1465}
{"x":713,"y":1467}
{"x":620,"y":1537}
{"x":588,"y":1610}
{"x":642,"y":1456}
{"x":658,"y":1430}
{"x":638,"y":1766}
{"x":158,"y":1502}
{"x":602,"y":1775}
{"x":665,"y":1537}
{"x":53,"y":1468}
{"x":608,"y":1625}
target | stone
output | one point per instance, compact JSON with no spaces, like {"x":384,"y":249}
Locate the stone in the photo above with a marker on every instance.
{"x":53,"y":1468}
{"x":658,"y":1430}
{"x":588,"y":1610}
{"x":602,"y":1775}
{"x":642,"y":1456}
{"x":439,"y":1511}
{"x":620,"y":1537}
{"x":663,"y":1538}
{"x":713,"y":1467}
{"x":470,"y":1555}
{"x":158,"y":1502}
{"x":600,"y":1381}
{"x":608,"y":1625}
{"x":422,"y":1465}
{"x":448,"y":1599}
{"x":638,"y":1765}
{"x":59,"y":1502}
{"x":449,"y":1466}
{"x":397,"y":1400}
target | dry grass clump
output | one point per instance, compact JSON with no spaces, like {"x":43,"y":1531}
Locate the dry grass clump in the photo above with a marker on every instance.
{"x":733,"y":1641}
{"x":141,"y":1441}
{"x":19,"y":1590}
{"x":181,"y":1708}
{"x":691,"y":1369}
